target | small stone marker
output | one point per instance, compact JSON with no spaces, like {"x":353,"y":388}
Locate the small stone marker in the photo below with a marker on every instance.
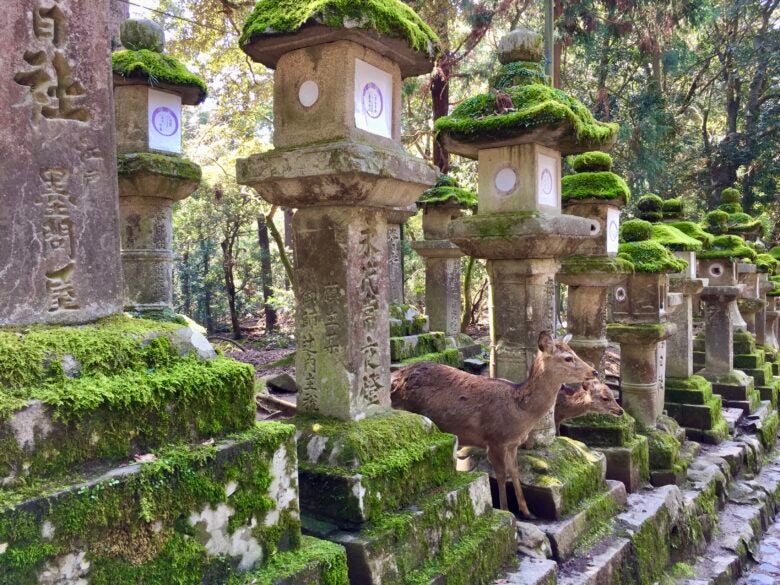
{"x":59,"y":236}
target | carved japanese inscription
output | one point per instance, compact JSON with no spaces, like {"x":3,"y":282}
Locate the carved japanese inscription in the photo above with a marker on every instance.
{"x":55,"y":93}
{"x":371,"y":379}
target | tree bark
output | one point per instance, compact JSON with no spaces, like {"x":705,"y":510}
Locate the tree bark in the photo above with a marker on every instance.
{"x":266,"y":275}
{"x":230,"y":286}
{"x":207,"y":291}
{"x":288,"y":238}
{"x":186,"y":286}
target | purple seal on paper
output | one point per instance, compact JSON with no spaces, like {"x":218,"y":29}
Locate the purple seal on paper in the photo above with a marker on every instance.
{"x":373,"y":103}
{"x":546,"y":182}
{"x":165,"y":121}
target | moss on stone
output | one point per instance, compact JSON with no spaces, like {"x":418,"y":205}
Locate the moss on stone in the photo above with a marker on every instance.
{"x":728,"y":246}
{"x":638,"y":331}
{"x":535,"y":105}
{"x":518,"y":73}
{"x":650,"y":256}
{"x":775,"y":253}
{"x":694,"y":230}
{"x":447,"y":191}
{"x":156,"y":68}
{"x":448,"y":357}
{"x":596,"y":185}
{"x":672,"y":208}
{"x":663,"y":448}
{"x":636,"y":230}
{"x":169,"y":165}
{"x":650,"y":207}
{"x":596,"y":264}
{"x":716,"y":221}
{"x":390,"y":17}
{"x":730,"y":195}
{"x":766,"y":263}
{"x":594,"y":161}
{"x":601,"y":430}
{"x":674,"y":239}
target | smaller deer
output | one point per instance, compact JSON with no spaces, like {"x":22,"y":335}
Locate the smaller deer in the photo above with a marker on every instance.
{"x":491,"y":413}
{"x":592,"y":396}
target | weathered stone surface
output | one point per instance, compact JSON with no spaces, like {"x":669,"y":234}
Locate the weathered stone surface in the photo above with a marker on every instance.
{"x":282,"y":383}
{"x":520,"y":44}
{"x":137,"y":34}
{"x":59,"y":237}
{"x":395,"y":257}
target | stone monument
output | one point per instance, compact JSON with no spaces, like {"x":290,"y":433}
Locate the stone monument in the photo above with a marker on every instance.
{"x":518,"y":131}
{"x":339,"y":161}
{"x":59,"y":236}
{"x":395,"y":254}
{"x":149,"y":90}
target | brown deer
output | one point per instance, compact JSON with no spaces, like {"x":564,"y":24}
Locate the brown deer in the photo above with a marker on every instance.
{"x":491,"y":413}
{"x":592,"y":396}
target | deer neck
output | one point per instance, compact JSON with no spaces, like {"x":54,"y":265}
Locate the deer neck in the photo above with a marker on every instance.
{"x":541,"y":389}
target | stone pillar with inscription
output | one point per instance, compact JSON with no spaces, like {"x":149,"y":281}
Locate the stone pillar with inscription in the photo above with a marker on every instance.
{"x":595,"y":193}
{"x":395,"y":253}
{"x":520,"y":230}
{"x":441,"y":204}
{"x":59,"y":236}
{"x":339,"y":161}
{"x":149,"y":91}
{"x":85,"y":407}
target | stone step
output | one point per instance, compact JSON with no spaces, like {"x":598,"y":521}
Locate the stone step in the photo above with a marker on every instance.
{"x":531,"y":571}
{"x":733,"y":417}
{"x":411,"y":346}
{"x":763,"y":424}
{"x":110,"y":418}
{"x":402,"y":542}
{"x":197,"y":512}
{"x":354,"y":472}
{"x":406,"y":320}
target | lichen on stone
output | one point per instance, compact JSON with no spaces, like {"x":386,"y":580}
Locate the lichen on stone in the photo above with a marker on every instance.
{"x":596,"y":185}
{"x":447,"y":190}
{"x":156,"y":68}
{"x":728,"y":246}
{"x":163,"y":164}
{"x":534,"y":105}
{"x":390,"y":17}
{"x":674,"y":239}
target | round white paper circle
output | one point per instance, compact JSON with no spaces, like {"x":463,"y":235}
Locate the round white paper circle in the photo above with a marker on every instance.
{"x":309,"y":93}
{"x":506,"y":179}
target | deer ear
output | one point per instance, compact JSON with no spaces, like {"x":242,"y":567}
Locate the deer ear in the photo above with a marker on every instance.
{"x":567,"y":338}
{"x":546,"y":342}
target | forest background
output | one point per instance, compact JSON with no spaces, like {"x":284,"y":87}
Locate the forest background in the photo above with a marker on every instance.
{"x":693,"y":84}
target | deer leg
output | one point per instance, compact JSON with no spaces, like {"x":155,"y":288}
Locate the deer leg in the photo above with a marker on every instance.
{"x":497,"y":458}
{"x":512,"y":465}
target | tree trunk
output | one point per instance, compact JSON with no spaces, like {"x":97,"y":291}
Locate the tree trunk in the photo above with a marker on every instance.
{"x":265,"y":272}
{"x":288,"y":238}
{"x":465,"y":320}
{"x":440,"y":98}
{"x":230,"y":286}
{"x":207,"y":292}
{"x":186,"y":286}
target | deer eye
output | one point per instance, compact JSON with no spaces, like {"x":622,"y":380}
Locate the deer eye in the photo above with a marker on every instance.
{"x":568,"y":358}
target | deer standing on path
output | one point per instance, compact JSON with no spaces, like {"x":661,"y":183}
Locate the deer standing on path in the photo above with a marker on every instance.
{"x":491,"y":413}
{"x":592,"y":396}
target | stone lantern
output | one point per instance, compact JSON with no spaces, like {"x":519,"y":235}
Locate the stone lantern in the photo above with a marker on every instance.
{"x":595,"y":193}
{"x":442,"y":204}
{"x":339,"y":161}
{"x":395,"y":254}
{"x":149,"y":91}
{"x":640,"y":310}
{"x":518,"y":132}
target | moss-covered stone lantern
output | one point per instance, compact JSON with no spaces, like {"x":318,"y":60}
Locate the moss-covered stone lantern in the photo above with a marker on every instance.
{"x":441,"y":204}
{"x":518,"y":131}
{"x":149,"y":91}
{"x":338,"y":159}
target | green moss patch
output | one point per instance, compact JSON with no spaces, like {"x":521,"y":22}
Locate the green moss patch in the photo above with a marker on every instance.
{"x":732,"y":247}
{"x":694,"y":230}
{"x":601,"y":430}
{"x":595,"y":264}
{"x":775,"y":253}
{"x":161,"y":164}
{"x":663,"y":448}
{"x":766,"y":263}
{"x":446,"y":191}
{"x":650,"y":256}
{"x":672,"y":208}
{"x":594,"y":161}
{"x":535,"y":105}
{"x":636,"y":332}
{"x":518,"y":73}
{"x":730,"y":195}
{"x":402,"y":348}
{"x":448,"y":357}
{"x":135,"y":525}
{"x":156,"y":68}
{"x":596,"y":185}
{"x":674,"y":239}
{"x":390,"y":17}
{"x":636,"y":230}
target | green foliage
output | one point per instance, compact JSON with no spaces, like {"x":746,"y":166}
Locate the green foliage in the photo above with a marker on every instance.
{"x":447,"y":190}
{"x":766,"y":263}
{"x":636,"y":230}
{"x":673,"y":208}
{"x":674,"y":239}
{"x":390,"y":17}
{"x":775,"y":252}
{"x":155,"y":68}
{"x":650,"y":256}
{"x":731,"y":247}
{"x":716,"y":221}
{"x":731,"y":207}
{"x":650,"y":207}
{"x":597,"y":185}
{"x":535,"y":105}
{"x":593,"y":161}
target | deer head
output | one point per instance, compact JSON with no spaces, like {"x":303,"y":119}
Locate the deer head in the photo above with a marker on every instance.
{"x":560,"y":360}
{"x":601,"y":398}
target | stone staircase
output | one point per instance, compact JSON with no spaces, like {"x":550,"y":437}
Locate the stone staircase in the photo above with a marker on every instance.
{"x":130,"y":454}
{"x":703,"y":532}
